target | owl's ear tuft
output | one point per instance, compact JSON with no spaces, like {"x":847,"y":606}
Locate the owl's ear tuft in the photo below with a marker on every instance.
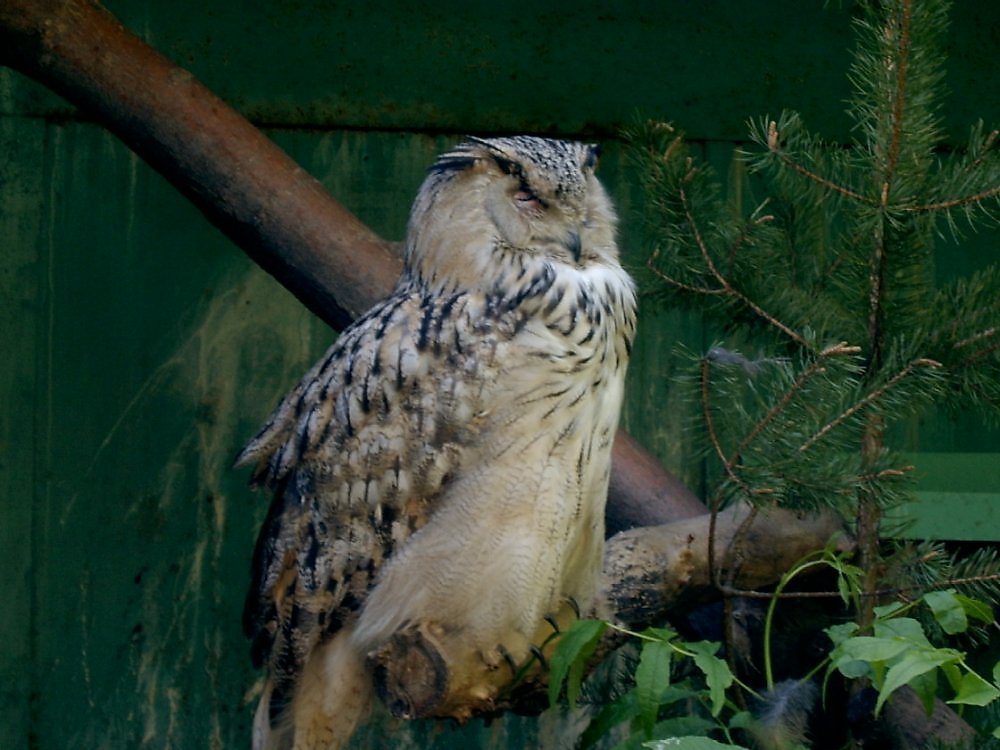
{"x":507,"y":166}
{"x":452,"y":162}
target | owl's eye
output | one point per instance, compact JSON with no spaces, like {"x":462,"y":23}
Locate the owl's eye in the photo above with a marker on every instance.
{"x":526,"y":199}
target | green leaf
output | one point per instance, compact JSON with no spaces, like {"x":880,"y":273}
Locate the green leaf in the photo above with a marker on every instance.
{"x":852,"y":668}
{"x":975,"y":691}
{"x":717,"y":673}
{"x":684,"y":726}
{"x":913,"y":664}
{"x":886,"y":611}
{"x":575,"y":646}
{"x":660,"y":634}
{"x":869,"y":649}
{"x":741,"y":720}
{"x":905,"y":628}
{"x":652,"y":677}
{"x":947,"y":610}
{"x":844,"y":589}
{"x":689,"y":743}
{"x":840,"y":633}
{"x":925,"y":686}
{"x":976,"y":609}
{"x":954,"y":675}
{"x":611,"y":715}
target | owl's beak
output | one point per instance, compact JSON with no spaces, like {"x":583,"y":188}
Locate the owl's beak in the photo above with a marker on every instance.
{"x":573,"y":245}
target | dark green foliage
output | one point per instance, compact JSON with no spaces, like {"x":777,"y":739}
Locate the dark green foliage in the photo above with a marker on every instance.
{"x":831,"y":273}
{"x":817,"y":270}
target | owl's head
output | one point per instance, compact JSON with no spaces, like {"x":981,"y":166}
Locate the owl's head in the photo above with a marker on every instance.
{"x":495,"y":206}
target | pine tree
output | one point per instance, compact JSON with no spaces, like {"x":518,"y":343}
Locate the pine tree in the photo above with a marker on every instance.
{"x":830,"y":282}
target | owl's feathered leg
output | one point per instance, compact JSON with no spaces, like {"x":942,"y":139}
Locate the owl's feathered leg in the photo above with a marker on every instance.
{"x":333,"y":697}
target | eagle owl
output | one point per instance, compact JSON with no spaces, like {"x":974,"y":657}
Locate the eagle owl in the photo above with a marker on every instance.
{"x":447,"y":461}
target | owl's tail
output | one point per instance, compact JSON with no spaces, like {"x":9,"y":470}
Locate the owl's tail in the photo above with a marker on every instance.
{"x":333,"y":697}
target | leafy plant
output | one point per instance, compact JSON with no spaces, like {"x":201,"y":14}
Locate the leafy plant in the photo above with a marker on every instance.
{"x":647,"y":704}
{"x":897,"y":653}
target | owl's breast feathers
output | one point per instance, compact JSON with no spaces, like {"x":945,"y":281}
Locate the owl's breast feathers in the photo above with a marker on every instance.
{"x":360,"y":453}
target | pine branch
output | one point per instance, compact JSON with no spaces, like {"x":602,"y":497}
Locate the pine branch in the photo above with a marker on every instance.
{"x":868,"y":400}
{"x":965,"y":200}
{"x":815,"y":369}
{"x":774,"y":147}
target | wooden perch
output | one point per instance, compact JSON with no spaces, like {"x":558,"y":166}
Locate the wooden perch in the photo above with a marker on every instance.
{"x":648,"y":572}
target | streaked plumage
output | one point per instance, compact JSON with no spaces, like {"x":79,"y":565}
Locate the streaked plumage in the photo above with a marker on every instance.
{"x":448,"y":458}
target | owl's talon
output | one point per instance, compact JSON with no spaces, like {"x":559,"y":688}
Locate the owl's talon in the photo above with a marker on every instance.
{"x":537,"y":652}
{"x":509,"y":658}
{"x":552,"y":622}
{"x":574,"y":606}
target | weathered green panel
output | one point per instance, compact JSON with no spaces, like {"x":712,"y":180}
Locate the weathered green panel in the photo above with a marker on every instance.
{"x":21,"y":187}
{"x":958,"y":499}
{"x":479,"y":66}
{"x":155,"y":333}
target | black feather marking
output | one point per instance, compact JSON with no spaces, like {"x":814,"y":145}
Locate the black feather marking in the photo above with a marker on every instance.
{"x":451,"y":163}
{"x":303,"y":443}
{"x":572,"y":315}
{"x":366,"y":405}
{"x":397,"y":468}
{"x":400,"y":378}
{"x":348,"y":424}
{"x":349,"y":370}
{"x":425,"y":323}
{"x":445,"y":313}
{"x":575,"y":246}
{"x":308,"y":569}
{"x":554,"y":302}
{"x":279,"y":703}
{"x":509,"y":167}
{"x":387,"y":316}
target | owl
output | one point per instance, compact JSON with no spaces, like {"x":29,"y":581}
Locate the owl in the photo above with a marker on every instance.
{"x":445,"y":465}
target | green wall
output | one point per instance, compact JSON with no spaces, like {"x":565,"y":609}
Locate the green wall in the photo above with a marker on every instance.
{"x":140,"y":348}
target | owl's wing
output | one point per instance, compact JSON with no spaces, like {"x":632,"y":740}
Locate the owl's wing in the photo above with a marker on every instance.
{"x":357,"y":454}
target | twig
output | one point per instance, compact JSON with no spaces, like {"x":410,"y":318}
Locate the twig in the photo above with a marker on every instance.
{"x":727,"y":288}
{"x":815,"y":369}
{"x":871,"y":397}
{"x":773,"y":145}
{"x":988,"y":333}
{"x":956,"y":202}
